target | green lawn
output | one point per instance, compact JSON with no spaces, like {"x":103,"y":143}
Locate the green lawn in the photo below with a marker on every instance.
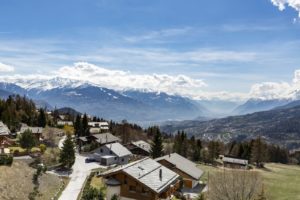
{"x":281,"y":182}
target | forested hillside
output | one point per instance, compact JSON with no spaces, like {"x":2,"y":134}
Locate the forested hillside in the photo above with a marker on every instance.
{"x":16,"y":109}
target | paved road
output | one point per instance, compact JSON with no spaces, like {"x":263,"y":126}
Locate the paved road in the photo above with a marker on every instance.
{"x":81,"y":170}
{"x":61,"y":142}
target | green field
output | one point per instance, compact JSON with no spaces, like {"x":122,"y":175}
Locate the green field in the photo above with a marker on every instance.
{"x":281,"y":182}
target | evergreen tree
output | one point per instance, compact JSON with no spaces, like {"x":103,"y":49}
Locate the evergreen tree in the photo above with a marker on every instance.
{"x":85,"y":126}
{"x":157,"y":145}
{"x":27,"y":140}
{"x":78,"y":126}
{"x":67,"y":154}
{"x":42,"y":120}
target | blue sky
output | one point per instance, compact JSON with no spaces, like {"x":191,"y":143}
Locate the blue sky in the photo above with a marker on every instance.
{"x":221,"y":45}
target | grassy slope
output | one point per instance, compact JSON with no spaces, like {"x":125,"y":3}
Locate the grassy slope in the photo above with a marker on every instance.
{"x":16,"y":182}
{"x":282,"y":182}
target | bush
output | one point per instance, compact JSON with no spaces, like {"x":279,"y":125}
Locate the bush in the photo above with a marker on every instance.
{"x":6,"y":160}
{"x":92,"y":193}
{"x":42,"y":148}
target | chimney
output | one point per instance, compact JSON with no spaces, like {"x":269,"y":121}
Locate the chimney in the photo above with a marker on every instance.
{"x":160,"y":174}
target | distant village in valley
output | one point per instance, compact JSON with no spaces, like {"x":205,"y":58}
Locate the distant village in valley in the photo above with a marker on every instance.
{"x":77,"y":156}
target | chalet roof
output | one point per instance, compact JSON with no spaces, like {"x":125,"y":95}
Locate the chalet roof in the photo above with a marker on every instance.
{"x":83,"y":138}
{"x":118,"y":149}
{"x":235,"y":160}
{"x":104,"y":138}
{"x":34,"y":130}
{"x":4,"y":131}
{"x":147,"y":171}
{"x":183,"y":164}
{"x":143,"y":145}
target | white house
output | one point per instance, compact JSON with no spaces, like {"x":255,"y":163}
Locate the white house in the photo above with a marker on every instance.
{"x":111,"y":154}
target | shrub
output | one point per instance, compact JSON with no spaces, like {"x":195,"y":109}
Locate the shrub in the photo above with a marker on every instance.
{"x":6,"y":160}
{"x":42,"y":148}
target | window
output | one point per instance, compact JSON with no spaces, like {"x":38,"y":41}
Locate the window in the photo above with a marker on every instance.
{"x":132,"y":188}
{"x":125,"y":180}
{"x":145,"y":191}
{"x":101,"y":150}
{"x":115,"y":158}
{"x":110,"y":152}
{"x":122,"y":159}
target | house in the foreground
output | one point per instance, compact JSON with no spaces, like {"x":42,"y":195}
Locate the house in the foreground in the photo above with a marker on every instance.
{"x":144,"y":179}
{"x":187,"y":170}
{"x":140,"y":148}
{"x":234,"y":162}
{"x":113,"y":153}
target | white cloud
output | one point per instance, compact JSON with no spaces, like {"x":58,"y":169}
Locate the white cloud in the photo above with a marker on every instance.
{"x":281,"y":4}
{"x":270,"y":90}
{"x":6,"y":68}
{"x":277,"y":90}
{"x":120,"y":80}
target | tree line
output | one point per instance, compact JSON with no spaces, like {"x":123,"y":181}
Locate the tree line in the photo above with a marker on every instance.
{"x":16,"y":110}
{"x":257,"y":151}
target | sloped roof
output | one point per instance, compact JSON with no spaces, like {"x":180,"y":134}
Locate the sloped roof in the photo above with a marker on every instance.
{"x":235,"y":160}
{"x":183,"y":164}
{"x":104,"y":138}
{"x":32,"y":129}
{"x":118,"y":149}
{"x":147,"y":171}
{"x":4,"y":129}
{"x":143,"y":145}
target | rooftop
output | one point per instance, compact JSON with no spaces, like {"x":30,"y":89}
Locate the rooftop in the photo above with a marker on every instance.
{"x":147,"y":171}
{"x":183,"y":164}
{"x":235,"y":160}
{"x":143,"y":145}
{"x":118,"y":149}
{"x":4,"y":131}
{"x":104,"y":138}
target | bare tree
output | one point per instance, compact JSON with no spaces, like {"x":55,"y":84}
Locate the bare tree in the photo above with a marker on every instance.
{"x":235,"y":185}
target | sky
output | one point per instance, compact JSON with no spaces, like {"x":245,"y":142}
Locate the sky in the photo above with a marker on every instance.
{"x":220,"y":49}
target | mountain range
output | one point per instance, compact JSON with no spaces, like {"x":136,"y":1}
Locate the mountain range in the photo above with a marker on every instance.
{"x":280,"y":125}
{"x":133,"y":105}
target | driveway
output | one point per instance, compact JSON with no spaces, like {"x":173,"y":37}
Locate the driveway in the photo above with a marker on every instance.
{"x":61,"y":142}
{"x":81,"y":171}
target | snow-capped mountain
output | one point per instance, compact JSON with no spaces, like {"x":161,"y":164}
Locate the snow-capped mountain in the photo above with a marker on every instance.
{"x":86,"y":97}
{"x":256,"y":105}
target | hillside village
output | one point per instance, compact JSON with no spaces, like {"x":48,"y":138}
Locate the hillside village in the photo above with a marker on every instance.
{"x":130,"y":162}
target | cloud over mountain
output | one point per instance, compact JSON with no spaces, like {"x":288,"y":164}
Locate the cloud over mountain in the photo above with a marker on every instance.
{"x":6,"y":68}
{"x":117,"y":79}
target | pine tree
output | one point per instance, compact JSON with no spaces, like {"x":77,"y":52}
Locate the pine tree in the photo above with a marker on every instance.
{"x":78,"y":126}
{"x":85,"y":126}
{"x":42,"y":120}
{"x":67,"y":154}
{"x":157,"y":145}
